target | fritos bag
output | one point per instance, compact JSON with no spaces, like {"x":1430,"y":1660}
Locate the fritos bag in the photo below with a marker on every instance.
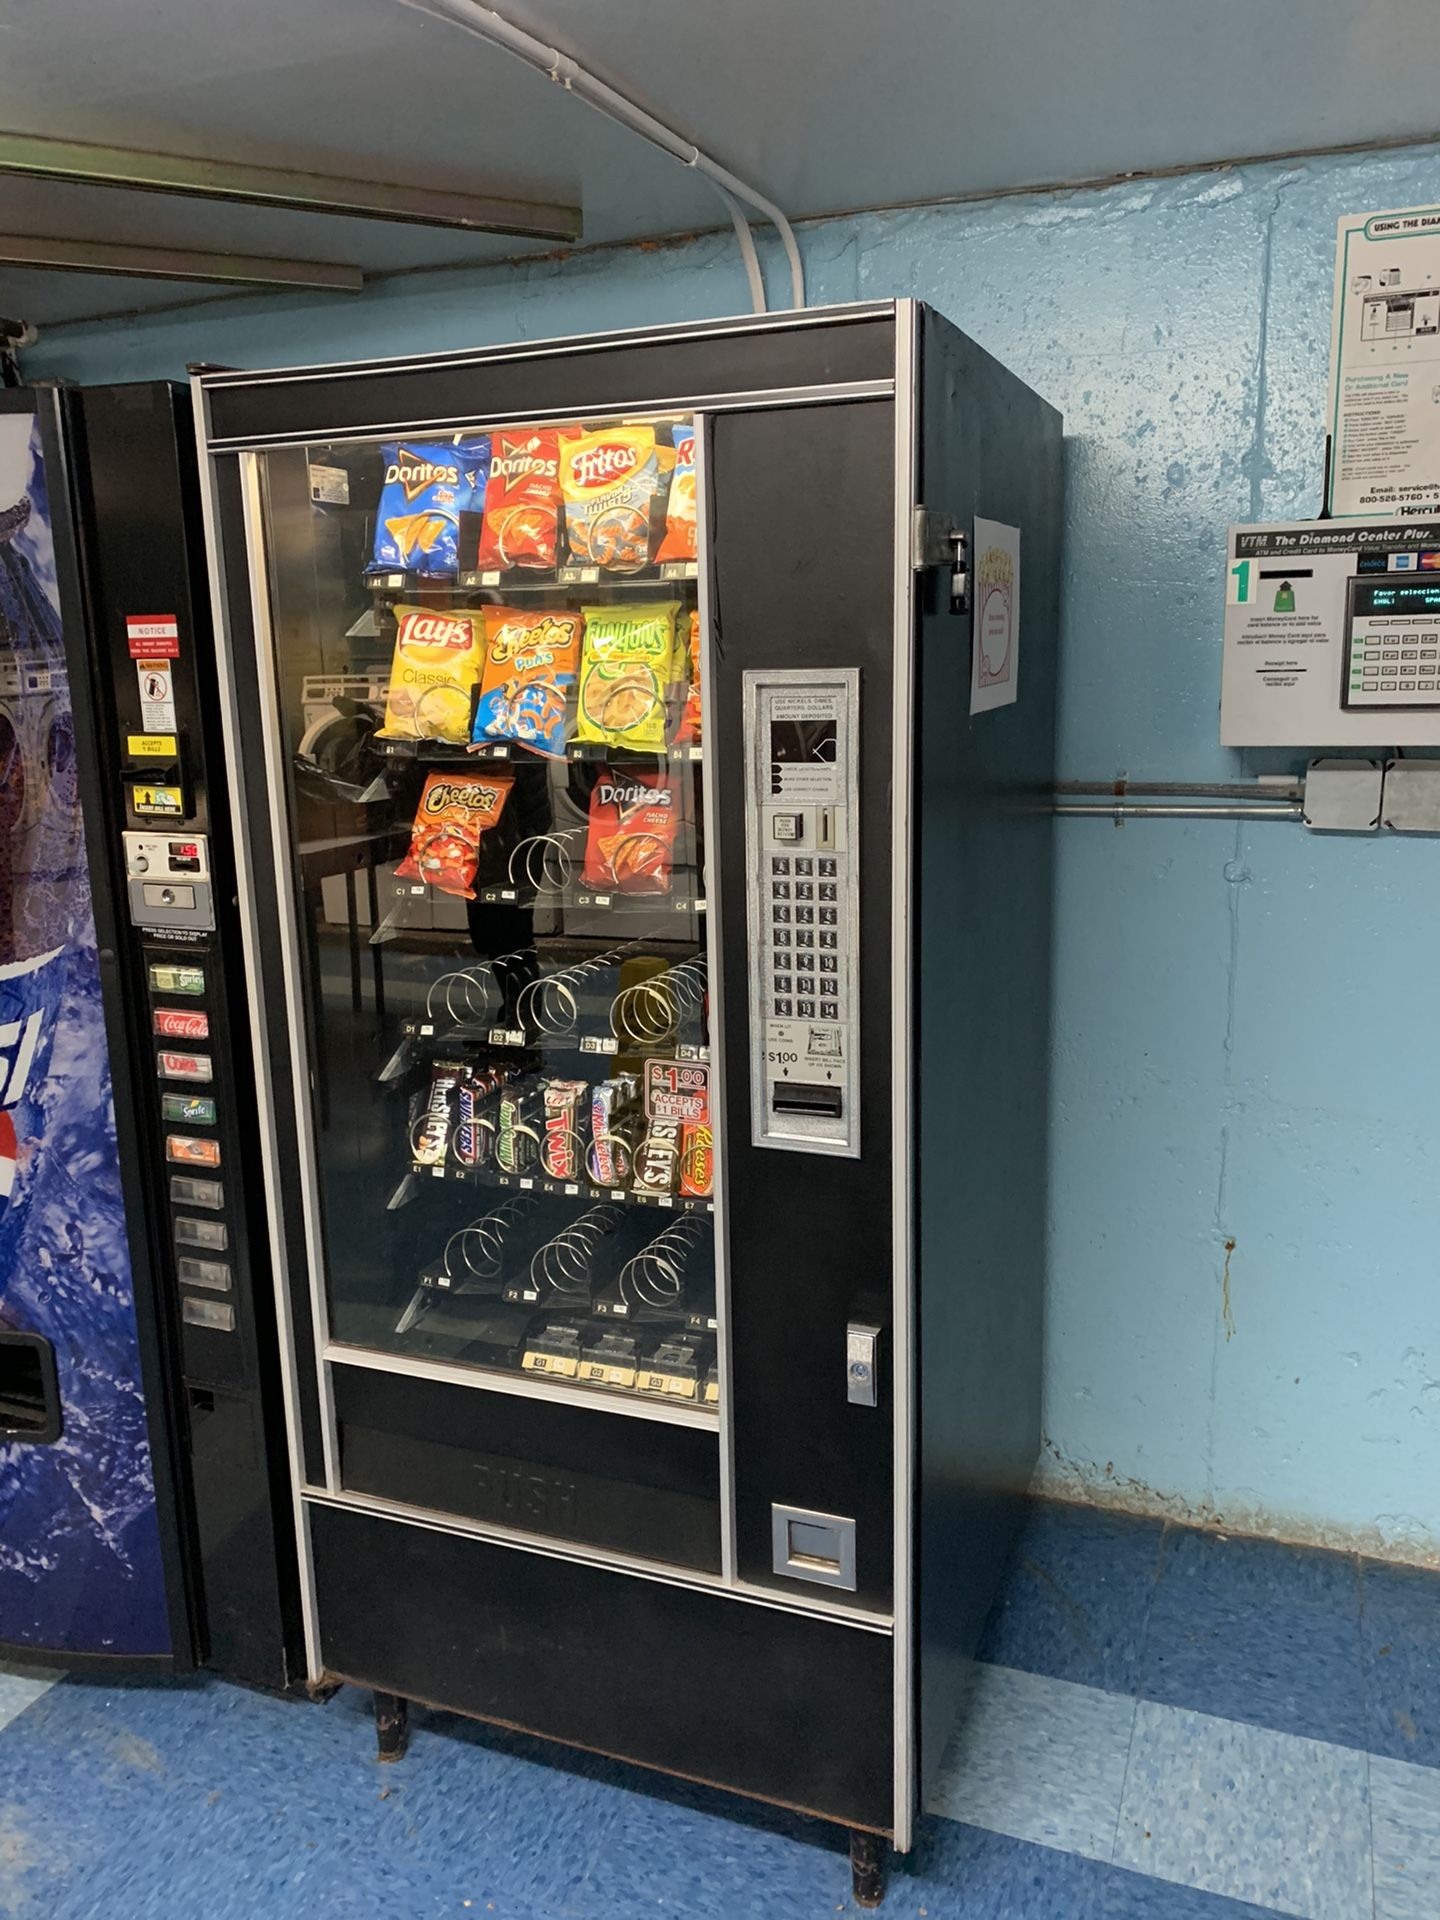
{"x":432,"y":673}
{"x":631,"y":838}
{"x":628,"y":669}
{"x":522,"y":500}
{"x":680,"y":517}
{"x":530,"y":661}
{"x":689,"y":730}
{"x":455,"y":810}
{"x":428,"y":485}
{"x":610,"y":481}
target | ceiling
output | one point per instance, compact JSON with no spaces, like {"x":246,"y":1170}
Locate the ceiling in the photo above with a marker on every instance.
{"x":823,"y":104}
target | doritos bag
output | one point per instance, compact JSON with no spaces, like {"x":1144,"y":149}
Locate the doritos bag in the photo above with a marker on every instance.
{"x":530,"y":661}
{"x":455,"y":810}
{"x":432,"y":672}
{"x":522,"y":500}
{"x":428,"y":485}
{"x":627,"y":671}
{"x":680,"y":518}
{"x":689,"y":731}
{"x":610,"y":481}
{"x":631,"y":836}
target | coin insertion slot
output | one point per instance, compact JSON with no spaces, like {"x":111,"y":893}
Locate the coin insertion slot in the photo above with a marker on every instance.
{"x":796,"y":1097}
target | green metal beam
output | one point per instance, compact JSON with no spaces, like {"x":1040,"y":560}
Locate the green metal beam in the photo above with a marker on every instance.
{"x":38,"y":158}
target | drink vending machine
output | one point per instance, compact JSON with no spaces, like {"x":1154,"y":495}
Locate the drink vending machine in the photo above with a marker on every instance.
{"x":144,"y":1497}
{"x":641,"y":751}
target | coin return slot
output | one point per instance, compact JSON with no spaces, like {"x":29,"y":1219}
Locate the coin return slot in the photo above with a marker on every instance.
{"x":798,"y":1098}
{"x":813,"y":1546}
{"x":29,"y":1389}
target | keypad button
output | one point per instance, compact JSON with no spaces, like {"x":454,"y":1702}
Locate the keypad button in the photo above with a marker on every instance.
{"x":781,"y":915}
{"x":781,"y":936}
{"x":1427,"y":686}
{"x":827,"y":939}
{"x":830,"y":986}
{"x":804,"y":890}
{"x":826,"y":869}
{"x":804,"y":866}
{"x":805,"y":962}
{"x":828,"y":890}
{"x":1411,"y":655}
{"x":804,"y":937}
{"x":828,"y":916}
{"x":782,"y":1008}
{"x":783,"y":983}
{"x":829,"y":1010}
{"x":805,"y":916}
{"x":829,"y":963}
{"x":780,"y":889}
{"x":779,"y":863}
{"x":805,"y":1009}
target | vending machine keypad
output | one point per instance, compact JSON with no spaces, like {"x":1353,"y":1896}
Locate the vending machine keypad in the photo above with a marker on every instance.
{"x":802,"y":809}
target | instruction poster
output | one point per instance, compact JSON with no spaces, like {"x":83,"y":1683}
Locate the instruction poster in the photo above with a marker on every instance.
{"x":1384,"y":416}
{"x":995,"y":654}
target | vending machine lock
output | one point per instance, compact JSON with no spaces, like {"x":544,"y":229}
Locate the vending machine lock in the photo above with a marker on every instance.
{"x":935,"y":541}
{"x":862,"y":1371}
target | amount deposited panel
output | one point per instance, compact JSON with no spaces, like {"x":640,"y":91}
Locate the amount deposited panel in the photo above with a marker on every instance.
{"x":802,"y":862}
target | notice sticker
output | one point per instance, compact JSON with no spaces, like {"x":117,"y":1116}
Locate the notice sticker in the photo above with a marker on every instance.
{"x":168,"y":802}
{"x":157,"y":695}
{"x":995,"y":648}
{"x":153,"y":633}
{"x":151,"y":746}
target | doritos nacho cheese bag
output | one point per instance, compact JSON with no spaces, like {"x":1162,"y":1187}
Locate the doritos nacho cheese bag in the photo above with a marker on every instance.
{"x":522,"y":501}
{"x":611,"y":481}
{"x":432,"y":673}
{"x":627,"y":670}
{"x":455,"y":810}
{"x":530,"y":661}
{"x":428,"y":485}
{"x":631,"y":834}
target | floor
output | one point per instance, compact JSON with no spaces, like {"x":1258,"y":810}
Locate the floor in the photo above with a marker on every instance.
{"x":1164,"y":1725}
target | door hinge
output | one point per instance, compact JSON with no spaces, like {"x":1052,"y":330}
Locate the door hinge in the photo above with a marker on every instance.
{"x":935,"y":541}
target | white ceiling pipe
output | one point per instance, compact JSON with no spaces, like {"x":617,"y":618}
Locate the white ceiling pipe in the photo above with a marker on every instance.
{"x":565,"y":72}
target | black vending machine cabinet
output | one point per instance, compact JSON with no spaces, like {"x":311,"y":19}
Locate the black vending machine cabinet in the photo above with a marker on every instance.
{"x":145,"y":1492}
{"x":642,"y":750}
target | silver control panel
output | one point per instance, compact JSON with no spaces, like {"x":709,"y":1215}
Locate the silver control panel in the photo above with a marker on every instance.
{"x":169,"y":880}
{"x":802,"y":741}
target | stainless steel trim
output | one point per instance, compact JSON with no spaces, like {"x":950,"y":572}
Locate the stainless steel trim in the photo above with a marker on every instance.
{"x":710,"y":795}
{"x":294,"y":970}
{"x":460,"y":423}
{"x":565,"y":343}
{"x":522,"y":1386}
{"x":784,"y":1560}
{"x":902,"y":1053}
{"x":238,"y":772}
{"x":661,"y":1573}
{"x":186,"y":264}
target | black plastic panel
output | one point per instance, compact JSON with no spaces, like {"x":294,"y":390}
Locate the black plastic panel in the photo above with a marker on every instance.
{"x":597,"y":1478}
{"x":767,"y":1703}
{"x":620,"y":374}
{"x":802,"y":515}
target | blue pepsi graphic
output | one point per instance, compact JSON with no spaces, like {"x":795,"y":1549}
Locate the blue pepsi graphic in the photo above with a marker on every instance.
{"x":80,"y":1564}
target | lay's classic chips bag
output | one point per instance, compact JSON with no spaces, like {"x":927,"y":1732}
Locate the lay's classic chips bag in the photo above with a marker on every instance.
{"x":432,"y":674}
{"x":428,"y":485}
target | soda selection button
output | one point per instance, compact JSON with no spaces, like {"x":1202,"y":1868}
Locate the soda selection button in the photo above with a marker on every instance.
{"x":212,"y":1235}
{"x":185,"y":1192}
{"x":218,"y":1315}
{"x":191,"y":1151}
{"x":214,"y":1274}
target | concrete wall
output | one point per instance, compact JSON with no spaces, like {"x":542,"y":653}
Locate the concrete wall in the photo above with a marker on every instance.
{"x":1244,"y":1316}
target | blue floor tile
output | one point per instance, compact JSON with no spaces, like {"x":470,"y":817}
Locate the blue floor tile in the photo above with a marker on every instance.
{"x":1134,"y":1896}
{"x":1257,"y":1631}
{"x":1245,"y":1812}
{"x":1400,"y":1637}
{"x":1075,"y":1596}
{"x":963,"y":1873}
{"x":1405,"y":1817}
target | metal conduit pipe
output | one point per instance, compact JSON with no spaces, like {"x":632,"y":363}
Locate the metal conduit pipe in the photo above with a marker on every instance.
{"x":486,"y":24}
{"x":1216,"y":810}
{"x":1258,"y":790}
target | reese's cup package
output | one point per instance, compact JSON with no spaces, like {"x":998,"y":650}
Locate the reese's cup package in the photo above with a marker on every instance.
{"x":428,"y":485}
{"x":689,"y":730}
{"x":522,"y":500}
{"x":455,"y":810}
{"x":432,"y":674}
{"x":529,"y":666}
{"x":611,"y":482}
{"x":628,"y":668}
{"x":631,"y":839}
{"x":680,"y":519}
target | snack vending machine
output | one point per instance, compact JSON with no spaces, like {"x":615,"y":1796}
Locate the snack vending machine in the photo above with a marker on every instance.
{"x":144,"y":1499}
{"x":641,"y":752}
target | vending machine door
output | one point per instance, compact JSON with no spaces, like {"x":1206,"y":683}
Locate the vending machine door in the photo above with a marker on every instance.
{"x":82,"y":1566}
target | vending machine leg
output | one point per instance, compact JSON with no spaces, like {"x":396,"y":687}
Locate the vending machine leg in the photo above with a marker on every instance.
{"x":869,"y":1856}
{"x":392,"y":1725}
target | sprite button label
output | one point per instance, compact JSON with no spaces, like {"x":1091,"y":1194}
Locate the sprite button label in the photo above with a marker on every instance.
{"x":170,"y":979}
{"x":193,"y":1110}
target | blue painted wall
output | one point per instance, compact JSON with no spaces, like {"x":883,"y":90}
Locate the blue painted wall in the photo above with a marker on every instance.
{"x":1239,"y":1056}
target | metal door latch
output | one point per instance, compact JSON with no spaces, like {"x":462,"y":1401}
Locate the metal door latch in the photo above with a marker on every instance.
{"x":862,"y":1368}
{"x":935,"y":541}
